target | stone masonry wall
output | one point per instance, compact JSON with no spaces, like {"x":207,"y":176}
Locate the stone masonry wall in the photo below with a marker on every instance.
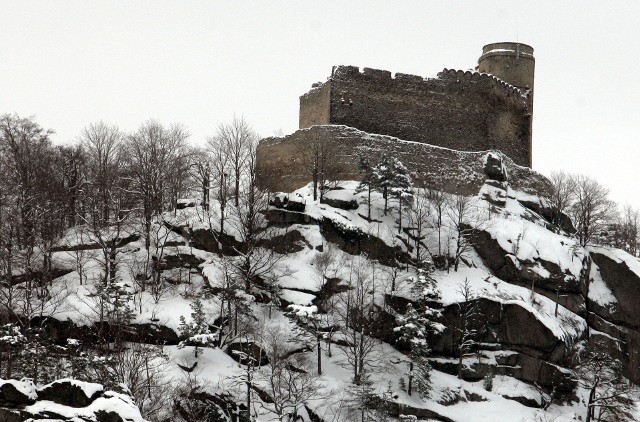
{"x":280,"y":163}
{"x":314,"y":106}
{"x":466,"y":111}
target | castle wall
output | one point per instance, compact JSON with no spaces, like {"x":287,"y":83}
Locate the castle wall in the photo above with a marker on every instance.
{"x":280,"y":164}
{"x":467,"y":111}
{"x":314,"y":106}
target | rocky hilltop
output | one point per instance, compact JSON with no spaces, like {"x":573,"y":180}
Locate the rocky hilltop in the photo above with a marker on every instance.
{"x":541,"y":296}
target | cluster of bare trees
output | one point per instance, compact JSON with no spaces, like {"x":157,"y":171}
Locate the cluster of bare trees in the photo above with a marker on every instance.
{"x":112,"y":187}
{"x":595,"y":217}
{"x":447,"y":218}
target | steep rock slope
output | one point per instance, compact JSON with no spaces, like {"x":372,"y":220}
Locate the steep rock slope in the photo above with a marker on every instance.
{"x":529,"y":284}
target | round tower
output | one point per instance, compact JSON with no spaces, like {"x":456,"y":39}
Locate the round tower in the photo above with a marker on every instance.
{"x":510,"y":61}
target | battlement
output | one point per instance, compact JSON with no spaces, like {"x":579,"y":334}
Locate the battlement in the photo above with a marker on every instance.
{"x":476,"y":76}
{"x":464,"y":110}
{"x":440,"y":127}
{"x":340,"y":72}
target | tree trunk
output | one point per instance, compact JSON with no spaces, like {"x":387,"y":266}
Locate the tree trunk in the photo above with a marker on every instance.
{"x":410,"y":384}
{"x":319,"y":357}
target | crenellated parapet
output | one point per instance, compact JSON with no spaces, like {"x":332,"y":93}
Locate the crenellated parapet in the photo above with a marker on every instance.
{"x":501,"y":86}
{"x":463,"y":110}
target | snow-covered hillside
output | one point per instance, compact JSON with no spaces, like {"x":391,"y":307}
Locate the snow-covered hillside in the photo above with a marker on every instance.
{"x":310,"y":261}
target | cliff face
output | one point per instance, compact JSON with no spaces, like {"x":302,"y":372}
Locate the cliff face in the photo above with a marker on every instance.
{"x":282,"y":163}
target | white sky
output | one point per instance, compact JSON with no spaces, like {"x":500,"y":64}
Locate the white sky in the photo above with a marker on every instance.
{"x":73,"y":63}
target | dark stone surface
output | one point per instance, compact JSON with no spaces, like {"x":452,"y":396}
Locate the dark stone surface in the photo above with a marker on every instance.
{"x":11,"y":415}
{"x":154,"y":334}
{"x":251,"y":349}
{"x":103,"y":416}
{"x":623,"y":320}
{"x":211,"y":241}
{"x":280,"y":166}
{"x":289,"y":202}
{"x":625,"y":286}
{"x":502,"y":263}
{"x":120,"y":242}
{"x":65,"y":393}
{"x":398,"y":409}
{"x":178,"y":260}
{"x":10,"y":395}
{"x":494,"y":169}
{"x":282,"y":217}
{"x":290,"y":242}
{"x":340,"y":203}
{"x":465,"y":111}
{"x":355,"y":242}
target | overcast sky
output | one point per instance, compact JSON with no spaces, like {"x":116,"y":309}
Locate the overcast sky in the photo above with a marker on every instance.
{"x":73,"y":63}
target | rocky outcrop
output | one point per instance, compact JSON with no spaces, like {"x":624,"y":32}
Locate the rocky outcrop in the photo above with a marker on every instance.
{"x":506,"y":266}
{"x":288,"y":201}
{"x":622,"y":320}
{"x":354,"y":241}
{"x":17,"y":393}
{"x":625,"y":286}
{"x":70,"y":393}
{"x":60,"y":331}
{"x":532,"y":352}
{"x":199,"y":405}
{"x":289,"y":242}
{"x":343,"y":204}
{"x":64,"y":400}
{"x":239,"y":351}
{"x":119,"y":242}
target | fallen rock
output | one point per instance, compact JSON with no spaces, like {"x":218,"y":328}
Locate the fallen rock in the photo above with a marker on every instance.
{"x":185,"y":203}
{"x":288,"y":201}
{"x":344,"y":204}
{"x":240,"y":350}
{"x":494,"y":167}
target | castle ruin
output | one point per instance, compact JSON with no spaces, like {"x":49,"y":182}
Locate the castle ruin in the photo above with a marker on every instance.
{"x":482,"y":110}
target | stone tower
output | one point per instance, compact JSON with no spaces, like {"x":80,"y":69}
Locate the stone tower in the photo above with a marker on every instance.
{"x":510,"y":61}
{"x":513,"y":63}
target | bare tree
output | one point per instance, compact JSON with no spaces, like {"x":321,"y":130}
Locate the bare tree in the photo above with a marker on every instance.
{"x":438,"y":200}
{"x":319,"y":162}
{"x":151,"y":154}
{"x":611,"y":395}
{"x":288,"y":378}
{"x":460,"y":213}
{"x":200,"y":172}
{"x":220,"y":170}
{"x":591,"y":210}
{"x":73,"y":166}
{"x":357,"y":315}
{"x":144,"y":370}
{"x":624,"y":231}
{"x":102,"y":143}
{"x":419,"y":217}
{"x":468,"y":316}
{"x":236,"y":140}
{"x":562,"y":194}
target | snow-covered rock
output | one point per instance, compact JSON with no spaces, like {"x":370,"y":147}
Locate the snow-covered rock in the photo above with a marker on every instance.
{"x":64,"y":400}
